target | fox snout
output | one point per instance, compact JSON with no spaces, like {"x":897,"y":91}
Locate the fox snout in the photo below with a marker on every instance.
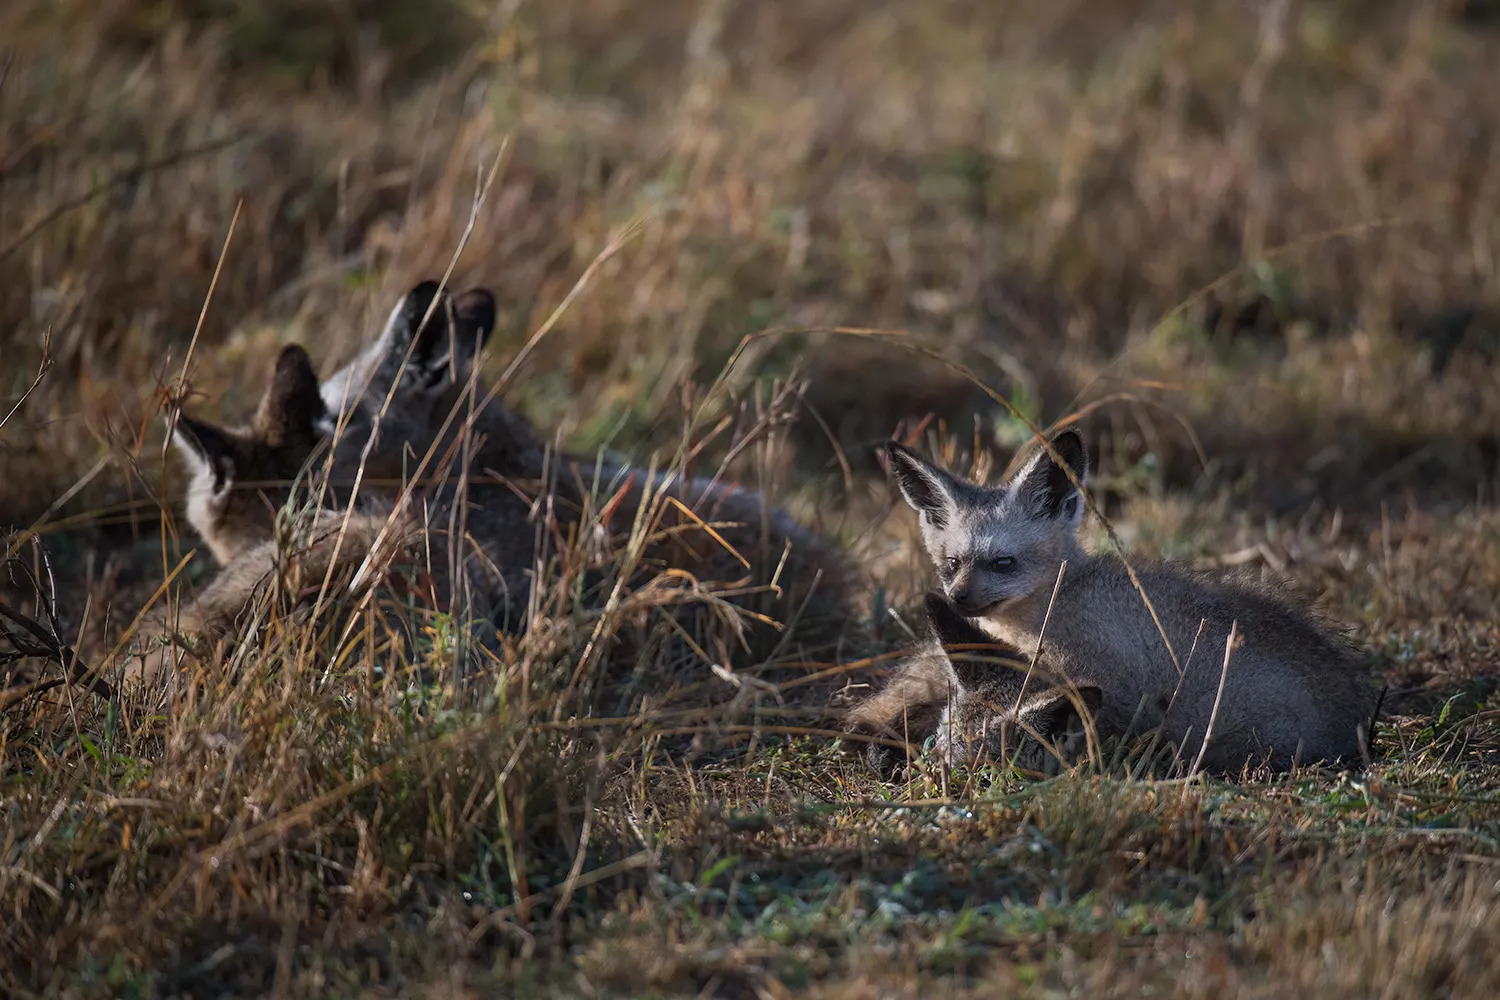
{"x":978,"y":590}
{"x":968,"y":598}
{"x":967,"y":603}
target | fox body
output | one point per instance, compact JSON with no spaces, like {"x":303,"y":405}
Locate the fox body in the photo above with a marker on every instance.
{"x":1292,"y":689}
{"x":403,"y":427}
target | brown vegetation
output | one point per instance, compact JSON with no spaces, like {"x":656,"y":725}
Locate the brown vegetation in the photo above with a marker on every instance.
{"x":1253,"y":244}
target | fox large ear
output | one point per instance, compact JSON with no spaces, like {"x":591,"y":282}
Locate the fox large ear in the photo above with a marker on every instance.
{"x":473,"y":320}
{"x":975,"y":666}
{"x":1053,"y":712}
{"x":1044,"y":484}
{"x":292,"y":407}
{"x":432,"y":339}
{"x":210,"y":452}
{"x":931,"y":492}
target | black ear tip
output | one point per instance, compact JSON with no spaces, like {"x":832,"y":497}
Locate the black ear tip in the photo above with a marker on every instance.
{"x":476,"y":307}
{"x":895,"y":454}
{"x":294,"y":361}
{"x":420,"y":300}
{"x":291,"y":354}
{"x":294,"y":384}
{"x":475,"y":299}
{"x":1069,"y":444}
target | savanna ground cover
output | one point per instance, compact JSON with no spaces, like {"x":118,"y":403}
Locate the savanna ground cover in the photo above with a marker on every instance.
{"x":1254,"y":245}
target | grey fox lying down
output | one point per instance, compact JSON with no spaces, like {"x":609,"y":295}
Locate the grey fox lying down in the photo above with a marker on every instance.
{"x":408,"y":468}
{"x":1294,"y":691}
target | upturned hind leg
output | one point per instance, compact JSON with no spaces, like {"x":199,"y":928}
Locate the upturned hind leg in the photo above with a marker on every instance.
{"x":907,"y":709}
{"x":912,"y":727}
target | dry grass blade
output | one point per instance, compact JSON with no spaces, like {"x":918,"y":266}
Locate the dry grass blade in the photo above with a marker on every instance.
{"x":1213,"y":716}
{"x":187,"y":358}
{"x":1062,"y":569}
{"x":43,"y":367}
{"x":31,"y":638}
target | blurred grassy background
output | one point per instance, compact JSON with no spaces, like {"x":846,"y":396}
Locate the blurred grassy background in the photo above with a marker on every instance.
{"x":1268,"y":227}
{"x":1279,"y":220}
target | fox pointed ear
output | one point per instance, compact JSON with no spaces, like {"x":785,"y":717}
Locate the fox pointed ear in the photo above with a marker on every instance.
{"x":1044,"y":484}
{"x":930,"y":491}
{"x":210,"y":452}
{"x":292,"y":407}
{"x":416,"y":331}
{"x":1052,"y":712}
{"x":432,"y":339}
{"x":473,"y":319}
{"x":973,"y":667}
{"x":450,"y":341}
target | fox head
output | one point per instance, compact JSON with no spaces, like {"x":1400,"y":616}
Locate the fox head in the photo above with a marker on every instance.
{"x":994,"y":713}
{"x":239,"y":476}
{"x":997,"y":545}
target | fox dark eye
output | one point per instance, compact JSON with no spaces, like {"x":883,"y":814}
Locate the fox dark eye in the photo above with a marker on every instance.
{"x":1001,"y":564}
{"x":950,"y":565}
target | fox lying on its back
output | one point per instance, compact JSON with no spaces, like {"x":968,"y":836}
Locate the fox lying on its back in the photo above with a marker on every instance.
{"x":494,"y":500}
{"x":1295,"y":691}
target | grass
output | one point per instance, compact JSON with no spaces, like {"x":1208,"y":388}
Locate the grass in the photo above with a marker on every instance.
{"x":1255,"y":244}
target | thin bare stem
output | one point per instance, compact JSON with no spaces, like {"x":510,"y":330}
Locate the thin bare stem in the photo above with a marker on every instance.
{"x":43,"y":367}
{"x":1041,"y":634}
{"x":1229,"y":644}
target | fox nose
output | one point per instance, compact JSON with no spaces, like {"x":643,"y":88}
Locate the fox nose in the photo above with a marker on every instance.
{"x":965,"y":600}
